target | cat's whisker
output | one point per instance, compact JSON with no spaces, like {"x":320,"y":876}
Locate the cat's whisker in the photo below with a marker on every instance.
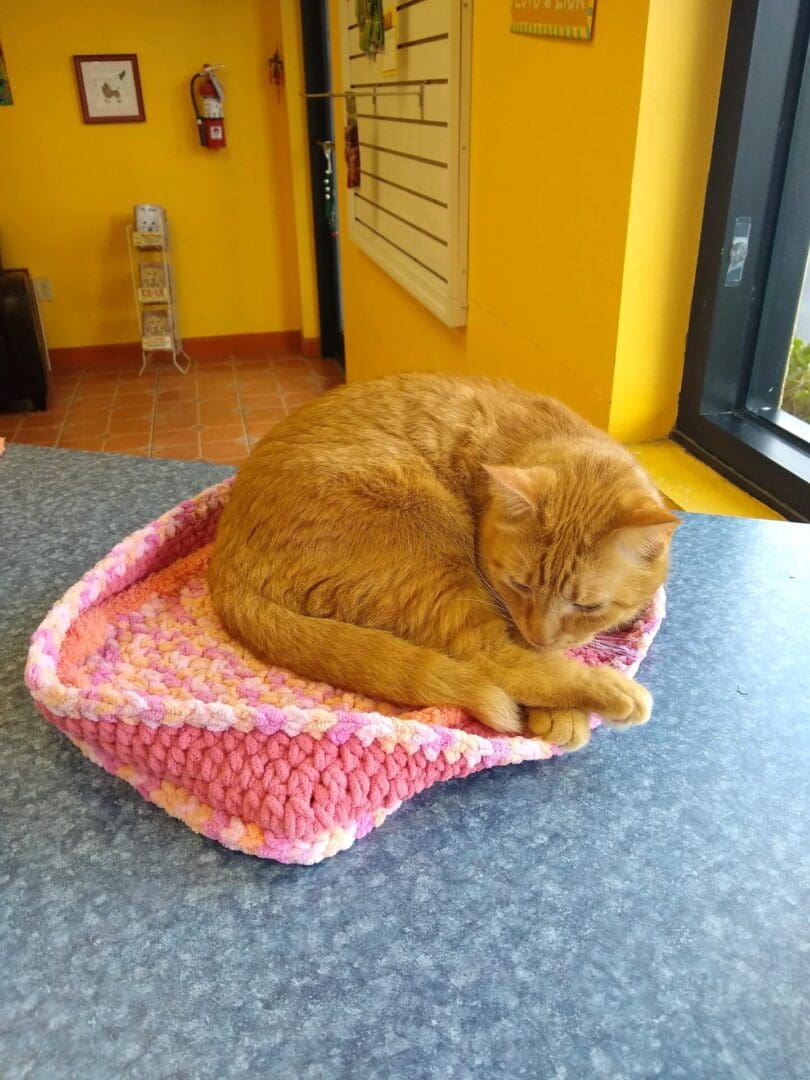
{"x":499,"y":602}
{"x":609,"y":646}
{"x":488,"y":604}
{"x":522,"y":555}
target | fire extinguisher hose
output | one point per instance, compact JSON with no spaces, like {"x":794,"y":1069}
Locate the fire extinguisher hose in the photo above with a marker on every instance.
{"x":200,"y":128}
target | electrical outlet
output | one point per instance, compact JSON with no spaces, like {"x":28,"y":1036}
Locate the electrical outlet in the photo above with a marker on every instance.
{"x":43,"y":289}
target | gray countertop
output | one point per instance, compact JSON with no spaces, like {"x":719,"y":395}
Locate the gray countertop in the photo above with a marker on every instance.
{"x":637,"y":909}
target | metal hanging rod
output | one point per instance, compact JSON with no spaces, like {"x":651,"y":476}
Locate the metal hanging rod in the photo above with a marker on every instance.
{"x":375,"y":93}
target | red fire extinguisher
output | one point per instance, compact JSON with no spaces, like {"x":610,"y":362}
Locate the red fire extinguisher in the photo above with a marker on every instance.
{"x":207,"y":97}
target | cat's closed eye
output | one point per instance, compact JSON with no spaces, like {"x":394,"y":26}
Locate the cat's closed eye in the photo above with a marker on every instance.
{"x":519,"y":586}
{"x":589,"y":608}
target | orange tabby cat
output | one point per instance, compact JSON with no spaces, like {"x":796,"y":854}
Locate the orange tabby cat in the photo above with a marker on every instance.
{"x":433,"y":539}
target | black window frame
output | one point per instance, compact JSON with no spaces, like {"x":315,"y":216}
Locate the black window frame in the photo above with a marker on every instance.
{"x":765,"y":59}
{"x":320,"y":129}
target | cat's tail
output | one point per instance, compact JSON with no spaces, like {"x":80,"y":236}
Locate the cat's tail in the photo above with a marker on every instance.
{"x":371,"y":662}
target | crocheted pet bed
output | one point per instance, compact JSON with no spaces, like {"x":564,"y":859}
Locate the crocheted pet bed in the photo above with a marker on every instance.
{"x":133,"y":667}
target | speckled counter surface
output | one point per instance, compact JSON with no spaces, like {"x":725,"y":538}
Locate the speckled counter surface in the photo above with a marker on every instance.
{"x":638,"y":909}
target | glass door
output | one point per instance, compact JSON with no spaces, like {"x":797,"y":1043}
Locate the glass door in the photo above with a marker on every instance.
{"x":779,"y":389}
{"x":745,"y":400}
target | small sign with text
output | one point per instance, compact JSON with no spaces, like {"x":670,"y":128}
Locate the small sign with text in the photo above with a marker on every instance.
{"x":572,"y":19}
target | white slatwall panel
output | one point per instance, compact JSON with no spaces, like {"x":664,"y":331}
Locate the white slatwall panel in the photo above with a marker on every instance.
{"x":410,"y":212}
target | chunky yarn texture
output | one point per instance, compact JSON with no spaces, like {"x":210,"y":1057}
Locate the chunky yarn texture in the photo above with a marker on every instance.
{"x":132,"y":665}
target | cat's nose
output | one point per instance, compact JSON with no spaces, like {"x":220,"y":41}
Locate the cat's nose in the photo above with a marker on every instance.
{"x":544,"y":634}
{"x":543,"y":642}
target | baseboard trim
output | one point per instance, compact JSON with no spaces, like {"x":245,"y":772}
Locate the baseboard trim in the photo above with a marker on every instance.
{"x":274,"y":342}
{"x":311,"y":347}
{"x":80,"y":356}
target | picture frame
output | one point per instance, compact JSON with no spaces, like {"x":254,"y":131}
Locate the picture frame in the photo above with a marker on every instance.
{"x":152,"y":275}
{"x":109,"y":88}
{"x":5,"y":85}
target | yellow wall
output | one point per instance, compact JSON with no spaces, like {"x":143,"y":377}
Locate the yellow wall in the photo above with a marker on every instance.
{"x":558,"y":134}
{"x":681,"y":84}
{"x":67,"y":189}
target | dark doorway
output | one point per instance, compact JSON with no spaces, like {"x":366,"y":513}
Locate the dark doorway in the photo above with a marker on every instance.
{"x":318,"y":80}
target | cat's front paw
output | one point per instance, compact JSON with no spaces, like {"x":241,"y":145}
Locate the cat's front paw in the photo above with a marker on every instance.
{"x":570,"y":729}
{"x":617,"y":699}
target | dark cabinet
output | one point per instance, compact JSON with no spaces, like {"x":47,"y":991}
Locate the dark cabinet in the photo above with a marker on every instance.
{"x":22,"y":347}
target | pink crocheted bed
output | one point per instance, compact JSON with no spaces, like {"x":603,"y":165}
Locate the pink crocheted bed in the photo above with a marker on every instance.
{"x":132,"y":666}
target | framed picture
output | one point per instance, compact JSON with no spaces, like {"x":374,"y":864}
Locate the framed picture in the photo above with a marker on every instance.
{"x":110,"y":88}
{"x":152,"y":275}
{"x":5,"y":86}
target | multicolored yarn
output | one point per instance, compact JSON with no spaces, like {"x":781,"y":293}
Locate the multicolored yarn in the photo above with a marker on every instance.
{"x":133,"y":667}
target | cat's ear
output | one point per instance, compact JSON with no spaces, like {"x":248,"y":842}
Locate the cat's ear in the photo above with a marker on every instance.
{"x":644,"y":529}
{"x":521,"y":490}
{"x":646,"y":514}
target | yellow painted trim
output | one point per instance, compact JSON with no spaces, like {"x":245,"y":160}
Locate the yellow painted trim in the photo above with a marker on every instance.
{"x":693,"y":486}
{"x":683,"y":63}
{"x":299,"y":160}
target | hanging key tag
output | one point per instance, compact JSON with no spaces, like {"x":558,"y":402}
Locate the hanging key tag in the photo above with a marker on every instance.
{"x":738,"y":252}
{"x":330,"y":206}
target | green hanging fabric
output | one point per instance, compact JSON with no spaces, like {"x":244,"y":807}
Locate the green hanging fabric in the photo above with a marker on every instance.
{"x":370,"y":25}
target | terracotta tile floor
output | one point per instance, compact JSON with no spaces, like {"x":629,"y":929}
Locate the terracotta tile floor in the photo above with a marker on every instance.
{"x":215,"y":413}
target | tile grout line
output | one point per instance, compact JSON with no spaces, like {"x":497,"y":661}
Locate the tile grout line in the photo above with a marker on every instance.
{"x":109,"y":432}
{"x":118,"y":401}
{"x":111,"y":411}
{"x":156,"y":435}
{"x":67,"y":410}
{"x":242,"y":414}
{"x":199,"y":423}
{"x":155,"y":390}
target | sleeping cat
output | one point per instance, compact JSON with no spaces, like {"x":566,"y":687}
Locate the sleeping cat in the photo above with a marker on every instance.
{"x":441,"y":540}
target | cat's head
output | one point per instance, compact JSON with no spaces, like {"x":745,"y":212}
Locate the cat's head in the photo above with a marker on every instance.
{"x":575,"y":546}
